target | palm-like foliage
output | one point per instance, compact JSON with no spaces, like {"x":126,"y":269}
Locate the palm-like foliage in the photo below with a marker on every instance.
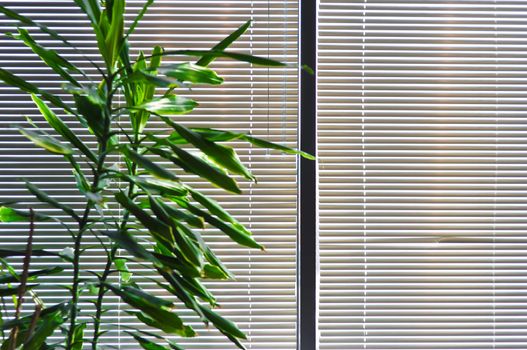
{"x":153,"y":198}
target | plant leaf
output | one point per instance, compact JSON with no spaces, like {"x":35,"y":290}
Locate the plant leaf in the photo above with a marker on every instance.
{"x":56,"y":62}
{"x":201,"y":168}
{"x":49,"y":143}
{"x":222,"y":156}
{"x":126,"y":275}
{"x":225,"y":43}
{"x":147,"y":344}
{"x":11,"y":215}
{"x":13,"y":80}
{"x":92,"y":111}
{"x":216,"y":135}
{"x":138,"y":18}
{"x":78,"y":337}
{"x":193,"y":73}
{"x":179,"y":215}
{"x":46,"y":327}
{"x":43,"y":197}
{"x":59,"y":126}
{"x":171,"y":105}
{"x":128,"y":243}
{"x":181,"y":265}
{"x":148,"y":165}
{"x":160,"y":230}
{"x":234,"y":232}
{"x":155,"y":309}
{"x":9,"y":278}
{"x":4,"y":292}
{"x":256,"y":60}
{"x":160,"y":187}
{"x":222,"y":324}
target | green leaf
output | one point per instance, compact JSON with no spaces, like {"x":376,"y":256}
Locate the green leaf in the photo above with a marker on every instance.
{"x":4,"y":292}
{"x":148,"y":165}
{"x":216,"y":135}
{"x":158,"y":81}
{"x":114,"y":36}
{"x":192,"y":73}
{"x":160,"y":230}
{"x":78,"y":337}
{"x":43,"y":197}
{"x":47,"y":142}
{"x":256,"y":60}
{"x":214,"y":272}
{"x":92,"y":110}
{"x":201,"y":168}
{"x":171,"y":105}
{"x":5,"y":253}
{"x":56,"y":62}
{"x":138,"y":18}
{"x":147,"y":344}
{"x":13,"y":80}
{"x":27,"y":21}
{"x":156,"y":310}
{"x":214,"y":208}
{"x":225,"y":43}
{"x":222,"y":324}
{"x":179,"y":264}
{"x":46,"y":327}
{"x":171,"y":344}
{"x":270,"y":145}
{"x":125,"y":274}
{"x":9,"y":278}
{"x":62,"y":128}
{"x":234,"y":232}
{"x":128,"y":243}
{"x":11,"y":215}
{"x":222,"y":156}
{"x":92,"y":10}
{"x":160,"y":187}
{"x":179,"y":215}
{"x":177,"y":289}
{"x":194,"y":286}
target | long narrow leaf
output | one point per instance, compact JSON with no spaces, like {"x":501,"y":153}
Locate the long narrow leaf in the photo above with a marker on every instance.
{"x":225,"y":43}
{"x":138,"y":18}
{"x":47,"y":142}
{"x":59,"y":126}
{"x":171,"y":105}
{"x":43,"y":197}
{"x":56,"y":62}
{"x":148,"y":165}
{"x":192,"y":73}
{"x":13,"y":80}
{"x":158,"y":229}
{"x":222,"y":156}
{"x":209,"y":172}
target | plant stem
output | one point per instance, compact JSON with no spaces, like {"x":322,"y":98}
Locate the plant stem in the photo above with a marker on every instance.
{"x":82,"y":224}
{"x":77,"y":250}
{"x":106,"y":273}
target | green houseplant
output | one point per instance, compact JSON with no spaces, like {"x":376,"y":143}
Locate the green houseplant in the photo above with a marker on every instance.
{"x":153,"y":199}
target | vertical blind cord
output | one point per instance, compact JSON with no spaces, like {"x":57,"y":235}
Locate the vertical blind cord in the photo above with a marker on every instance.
{"x":496,"y":170}
{"x":251,"y":116}
{"x":363,"y":161}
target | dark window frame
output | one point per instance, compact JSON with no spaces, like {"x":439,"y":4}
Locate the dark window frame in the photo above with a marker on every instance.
{"x":307,"y":257}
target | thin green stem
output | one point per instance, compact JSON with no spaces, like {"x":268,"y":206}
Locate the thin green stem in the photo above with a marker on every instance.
{"x":103,"y":141}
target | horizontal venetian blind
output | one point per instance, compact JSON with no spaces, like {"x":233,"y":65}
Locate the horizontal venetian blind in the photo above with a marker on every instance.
{"x":253,"y":99}
{"x":422,"y":151}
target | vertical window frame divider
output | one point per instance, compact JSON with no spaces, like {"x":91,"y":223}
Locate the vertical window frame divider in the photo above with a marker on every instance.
{"x":307,"y":241}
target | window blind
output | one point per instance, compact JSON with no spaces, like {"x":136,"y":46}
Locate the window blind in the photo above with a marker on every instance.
{"x":253,"y":99}
{"x":422,"y":160}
